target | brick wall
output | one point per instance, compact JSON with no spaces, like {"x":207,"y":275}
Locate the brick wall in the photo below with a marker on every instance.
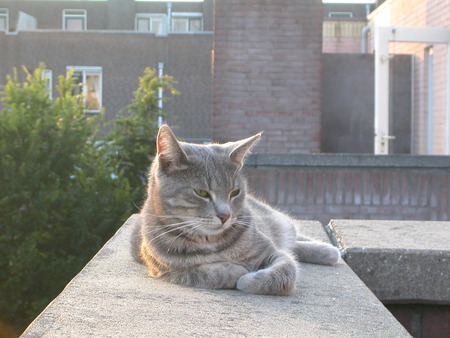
{"x":267,"y":73}
{"x":123,"y":57}
{"x":423,"y":320}
{"x":325,"y":186}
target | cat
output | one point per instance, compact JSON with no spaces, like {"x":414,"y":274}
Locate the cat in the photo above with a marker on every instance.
{"x":200,"y":227}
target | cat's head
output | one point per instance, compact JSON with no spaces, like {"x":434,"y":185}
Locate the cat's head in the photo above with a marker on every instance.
{"x":200,"y":185}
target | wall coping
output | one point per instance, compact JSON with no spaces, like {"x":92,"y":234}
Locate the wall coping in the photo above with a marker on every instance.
{"x":113,"y":296}
{"x":349,"y":161}
{"x":400,"y":261}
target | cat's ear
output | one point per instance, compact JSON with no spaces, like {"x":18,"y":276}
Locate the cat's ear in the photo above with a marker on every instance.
{"x":170,"y":154}
{"x":241,"y":149}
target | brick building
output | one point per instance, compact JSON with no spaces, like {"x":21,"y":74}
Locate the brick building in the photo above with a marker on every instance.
{"x":110,"y":43}
{"x":242,"y":66}
{"x":430,"y":124}
{"x":344,"y":27}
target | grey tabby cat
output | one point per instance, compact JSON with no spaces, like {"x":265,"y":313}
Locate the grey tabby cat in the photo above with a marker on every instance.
{"x":199,"y":227}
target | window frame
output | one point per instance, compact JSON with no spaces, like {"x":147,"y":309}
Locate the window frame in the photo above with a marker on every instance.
{"x":150,"y":17}
{"x":47,"y":75}
{"x":4,"y":13}
{"x":189,"y":16}
{"x":81,"y":15}
{"x":86,"y":71}
{"x":340,"y":15}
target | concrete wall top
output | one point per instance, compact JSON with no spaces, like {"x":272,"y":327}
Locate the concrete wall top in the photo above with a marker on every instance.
{"x":113,"y":296}
{"x":349,"y":161}
{"x":400,"y":261}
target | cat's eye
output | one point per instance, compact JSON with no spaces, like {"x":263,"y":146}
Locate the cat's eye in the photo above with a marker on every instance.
{"x":234,"y":193}
{"x":202,"y":193}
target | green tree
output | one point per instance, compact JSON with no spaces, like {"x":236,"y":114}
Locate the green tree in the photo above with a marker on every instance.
{"x":132,"y":140}
{"x":61,"y":196}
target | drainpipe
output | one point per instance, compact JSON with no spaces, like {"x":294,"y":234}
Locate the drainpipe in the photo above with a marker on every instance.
{"x":365,"y":32}
{"x":364,"y":37}
{"x":160,"y":92}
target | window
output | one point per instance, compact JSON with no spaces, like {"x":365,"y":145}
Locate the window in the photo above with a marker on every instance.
{"x":47,"y":75}
{"x":89,"y":83}
{"x":158,"y":23}
{"x":187,"y":22}
{"x":4,"y":15}
{"x":74,"y":19}
{"x":340,"y":14}
{"x":153,"y":23}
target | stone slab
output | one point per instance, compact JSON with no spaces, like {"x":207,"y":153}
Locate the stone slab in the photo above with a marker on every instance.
{"x":400,"y":261}
{"x":113,"y":296}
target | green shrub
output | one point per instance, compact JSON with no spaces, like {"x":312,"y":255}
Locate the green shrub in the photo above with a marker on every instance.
{"x":61,"y":196}
{"x":133,"y":138}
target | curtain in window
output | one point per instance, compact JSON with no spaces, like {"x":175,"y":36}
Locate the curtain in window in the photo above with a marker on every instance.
{"x":93,"y":92}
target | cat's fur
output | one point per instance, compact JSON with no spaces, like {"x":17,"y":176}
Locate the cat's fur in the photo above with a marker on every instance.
{"x":226,"y":239}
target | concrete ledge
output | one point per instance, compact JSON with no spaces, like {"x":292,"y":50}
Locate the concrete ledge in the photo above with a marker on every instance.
{"x":400,"y":261}
{"x":113,"y":296}
{"x":333,"y":161}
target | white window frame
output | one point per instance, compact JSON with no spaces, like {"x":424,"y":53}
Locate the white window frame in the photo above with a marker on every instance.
{"x":340,"y":15}
{"x":383,"y":36}
{"x":86,"y":71}
{"x":188,"y":16}
{"x":74,"y":14}
{"x":150,"y":17}
{"x":4,"y":13}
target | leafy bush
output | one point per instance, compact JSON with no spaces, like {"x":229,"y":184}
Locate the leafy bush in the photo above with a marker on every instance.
{"x":61,"y":195}
{"x":132,"y":140}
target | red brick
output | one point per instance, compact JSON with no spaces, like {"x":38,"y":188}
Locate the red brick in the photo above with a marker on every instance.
{"x":274,"y":48}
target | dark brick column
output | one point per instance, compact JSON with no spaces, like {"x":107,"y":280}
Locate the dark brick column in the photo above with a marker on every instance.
{"x":267,"y":73}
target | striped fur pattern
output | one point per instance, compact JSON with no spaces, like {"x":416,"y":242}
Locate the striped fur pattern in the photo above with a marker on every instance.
{"x":199,"y":227}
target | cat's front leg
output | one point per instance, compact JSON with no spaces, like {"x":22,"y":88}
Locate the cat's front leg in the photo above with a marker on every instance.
{"x":278,"y":278}
{"x":316,"y":252}
{"x":220,"y":275}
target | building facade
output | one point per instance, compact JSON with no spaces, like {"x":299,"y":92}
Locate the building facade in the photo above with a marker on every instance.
{"x":241,"y":66}
{"x":344,"y":27}
{"x":430,"y":123}
{"x":109,"y":44}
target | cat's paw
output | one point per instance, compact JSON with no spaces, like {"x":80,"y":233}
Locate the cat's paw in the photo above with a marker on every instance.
{"x":316,"y":252}
{"x":246,"y":283}
{"x":330,"y":255}
{"x":260,"y":282}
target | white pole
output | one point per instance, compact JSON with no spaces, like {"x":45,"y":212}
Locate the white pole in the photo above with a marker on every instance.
{"x":169,"y":17}
{"x":447,"y":108}
{"x":381,"y":141}
{"x":160,"y":92}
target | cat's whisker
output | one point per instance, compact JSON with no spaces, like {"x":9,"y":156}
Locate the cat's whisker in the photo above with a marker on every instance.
{"x":188,"y":224}
{"x":158,"y":228}
{"x":177,"y":237}
{"x":187,"y":233}
{"x":137,"y":207}
{"x":172,"y":216}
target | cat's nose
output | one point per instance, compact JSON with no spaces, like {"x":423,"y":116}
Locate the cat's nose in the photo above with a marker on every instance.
{"x":223,"y":217}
